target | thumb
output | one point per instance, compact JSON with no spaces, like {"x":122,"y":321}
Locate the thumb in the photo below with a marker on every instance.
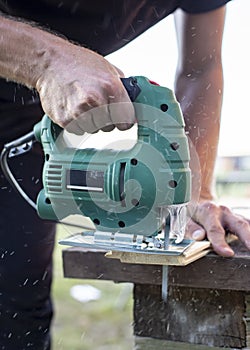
{"x":195,"y":231}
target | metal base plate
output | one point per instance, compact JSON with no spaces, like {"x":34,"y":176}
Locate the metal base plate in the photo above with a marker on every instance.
{"x":123,"y":243}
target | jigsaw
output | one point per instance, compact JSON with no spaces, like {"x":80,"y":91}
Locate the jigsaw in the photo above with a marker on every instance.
{"x":136,"y":198}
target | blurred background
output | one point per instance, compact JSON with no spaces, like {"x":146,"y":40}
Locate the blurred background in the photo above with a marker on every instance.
{"x":103,"y":318}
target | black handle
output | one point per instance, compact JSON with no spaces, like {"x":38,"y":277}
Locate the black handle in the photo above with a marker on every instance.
{"x":132,"y":87}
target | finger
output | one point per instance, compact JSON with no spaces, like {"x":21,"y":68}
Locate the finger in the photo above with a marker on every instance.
{"x":238,"y":225}
{"x":108,"y":128}
{"x":122,"y":111}
{"x":195,"y":231}
{"x":101,"y":118}
{"x":216,"y":235}
{"x":86,"y":122}
{"x":210,"y":216}
{"x":122,"y":115}
{"x":73,"y":128}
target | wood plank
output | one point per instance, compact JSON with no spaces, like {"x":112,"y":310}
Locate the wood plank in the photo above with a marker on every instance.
{"x":207,"y":301}
{"x":211,"y":271}
{"x":247,"y":319}
{"x":144,"y":343}
{"x":196,"y":316}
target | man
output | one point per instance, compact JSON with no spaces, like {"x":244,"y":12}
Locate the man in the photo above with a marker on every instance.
{"x":70,"y":80}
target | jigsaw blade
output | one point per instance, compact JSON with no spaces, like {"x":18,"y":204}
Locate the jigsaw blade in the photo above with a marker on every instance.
{"x":164,"y":287}
{"x":176,"y":231}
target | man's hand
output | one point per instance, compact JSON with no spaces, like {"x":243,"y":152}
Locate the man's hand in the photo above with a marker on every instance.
{"x":213,"y":221}
{"x":71,"y":80}
{"x":82,"y":92}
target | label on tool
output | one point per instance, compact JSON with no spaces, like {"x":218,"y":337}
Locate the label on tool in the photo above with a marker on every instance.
{"x":85,"y":180}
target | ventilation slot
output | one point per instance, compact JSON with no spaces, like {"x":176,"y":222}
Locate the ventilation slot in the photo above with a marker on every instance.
{"x":54,"y":178}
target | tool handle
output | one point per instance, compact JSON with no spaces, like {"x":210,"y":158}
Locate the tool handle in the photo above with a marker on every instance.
{"x":155,"y":106}
{"x":130,"y":84}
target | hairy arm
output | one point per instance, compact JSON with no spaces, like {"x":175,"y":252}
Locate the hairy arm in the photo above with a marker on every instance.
{"x":70,"y":79}
{"x":199,"y":89}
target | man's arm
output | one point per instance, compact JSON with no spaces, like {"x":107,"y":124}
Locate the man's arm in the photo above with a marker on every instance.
{"x":70,"y":79}
{"x":199,"y":88}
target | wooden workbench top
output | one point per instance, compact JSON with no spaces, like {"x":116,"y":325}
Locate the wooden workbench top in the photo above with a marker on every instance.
{"x":211,"y":271}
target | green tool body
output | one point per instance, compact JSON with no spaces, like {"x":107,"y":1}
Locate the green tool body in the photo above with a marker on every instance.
{"x":128,"y":194}
{"x":121,"y":191}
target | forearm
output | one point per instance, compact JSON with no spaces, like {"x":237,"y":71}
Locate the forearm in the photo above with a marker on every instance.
{"x":26,"y":51}
{"x":199,"y":88}
{"x":70,"y":79}
{"x":199,"y":85}
{"x":200,"y":96}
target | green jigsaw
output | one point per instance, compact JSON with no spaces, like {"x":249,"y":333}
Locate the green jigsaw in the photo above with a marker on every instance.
{"x":136,"y":197}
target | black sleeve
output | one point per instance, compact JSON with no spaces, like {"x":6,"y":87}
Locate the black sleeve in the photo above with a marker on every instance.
{"x":199,"y":6}
{"x":4,"y":6}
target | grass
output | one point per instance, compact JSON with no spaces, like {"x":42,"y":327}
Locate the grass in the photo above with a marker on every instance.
{"x":102,"y":324}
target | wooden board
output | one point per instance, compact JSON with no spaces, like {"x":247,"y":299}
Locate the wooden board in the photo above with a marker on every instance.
{"x":207,"y":299}
{"x":211,"y":271}
{"x":195,"y":316}
{"x":196,"y":251}
{"x":144,"y":343}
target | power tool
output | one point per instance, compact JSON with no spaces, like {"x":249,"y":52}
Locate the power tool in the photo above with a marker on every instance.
{"x":136,"y":198}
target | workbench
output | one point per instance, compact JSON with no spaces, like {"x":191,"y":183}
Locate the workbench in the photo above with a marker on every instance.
{"x":208,"y":301}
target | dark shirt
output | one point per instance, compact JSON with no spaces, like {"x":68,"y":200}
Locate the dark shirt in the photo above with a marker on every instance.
{"x":101,"y":25}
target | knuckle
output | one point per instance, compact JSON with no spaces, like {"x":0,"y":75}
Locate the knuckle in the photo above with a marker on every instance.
{"x":63,"y":123}
{"x":225,"y":210}
{"x":78,"y":110}
{"x":93,"y":99}
{"x":207,"y":207}
{"x":63,"y":119}
{"x":110,"y":83}
{"x":215,"y":229}
{"x":243,"y":225}
{"x":114,"y":89}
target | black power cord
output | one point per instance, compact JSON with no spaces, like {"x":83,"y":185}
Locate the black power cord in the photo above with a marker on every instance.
{"x":13,"y":149}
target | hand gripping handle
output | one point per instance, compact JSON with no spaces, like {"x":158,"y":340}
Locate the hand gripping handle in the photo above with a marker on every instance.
{"x":158,"y":158}
{"x":155,"y":106}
